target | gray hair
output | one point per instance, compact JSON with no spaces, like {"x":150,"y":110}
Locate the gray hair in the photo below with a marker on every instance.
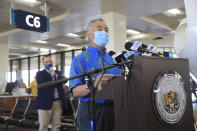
{"x":90,"y":24}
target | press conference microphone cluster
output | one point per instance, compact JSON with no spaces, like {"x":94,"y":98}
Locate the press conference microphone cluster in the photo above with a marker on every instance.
{"x":133,"y":49}
{"x":137,"y":47}
{"x":141,"y":48}
{"x":120,"y":57}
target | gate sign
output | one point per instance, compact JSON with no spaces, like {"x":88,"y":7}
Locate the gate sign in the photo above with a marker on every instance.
{"x":29,"y":21}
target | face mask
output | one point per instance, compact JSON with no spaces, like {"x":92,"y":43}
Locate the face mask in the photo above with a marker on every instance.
{"x":48,"y":66}
{"x":101,"y":38}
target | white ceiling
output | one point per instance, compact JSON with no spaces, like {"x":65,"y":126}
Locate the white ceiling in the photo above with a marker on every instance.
{"x":75,"y":14}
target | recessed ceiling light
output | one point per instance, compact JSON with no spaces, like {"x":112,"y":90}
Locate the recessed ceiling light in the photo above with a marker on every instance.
{"x":27,"y":2}
{"x":53,"y":51}
{"x":173,"y":12}
{"x":44,"y":50}
{"x":14,"y":48}
{"x":15,"y":54}
{"x":41,"y":41}
{"x":34,"y":48}
{"x":62,"y":45}
{"x":133,"y":32}
{"x":72,"y":35}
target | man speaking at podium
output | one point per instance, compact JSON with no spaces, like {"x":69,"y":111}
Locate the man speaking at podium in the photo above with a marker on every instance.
{"x":94,"y":57}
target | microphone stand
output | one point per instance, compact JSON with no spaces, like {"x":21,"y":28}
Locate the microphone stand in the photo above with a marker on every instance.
{"x":88,"y":80}
{"x":52,"y":83}
{"x":124,"y":69}
{"x":92,"y":102}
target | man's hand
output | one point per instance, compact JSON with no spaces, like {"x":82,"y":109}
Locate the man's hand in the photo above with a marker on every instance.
{"x":105,"y":78}
{"x":52,"y":71}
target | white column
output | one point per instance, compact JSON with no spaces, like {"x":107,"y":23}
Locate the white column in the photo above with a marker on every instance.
{"x":3,"y":66}
{"x":117,"y":30}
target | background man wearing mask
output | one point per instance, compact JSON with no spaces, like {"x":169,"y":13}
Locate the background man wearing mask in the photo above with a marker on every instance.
{"x":94,"y":57}
{"x":50,"y":101}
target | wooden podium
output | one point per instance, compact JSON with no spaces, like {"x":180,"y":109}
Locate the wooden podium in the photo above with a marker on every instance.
{"x":133,"y":104}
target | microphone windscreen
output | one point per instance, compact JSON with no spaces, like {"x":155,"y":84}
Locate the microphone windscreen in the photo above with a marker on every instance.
{"x":124,"y":52}
{"x":144,"y":46}
{"x":111,"y":53}
{"x":128,"y":45}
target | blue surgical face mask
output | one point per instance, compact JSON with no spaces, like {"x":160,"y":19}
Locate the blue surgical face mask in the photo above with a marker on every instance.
{"x":101,"y":38}
{"x":48,"y":66}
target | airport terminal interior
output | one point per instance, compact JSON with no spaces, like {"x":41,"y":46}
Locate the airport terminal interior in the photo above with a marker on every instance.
{"x":164,"y":32}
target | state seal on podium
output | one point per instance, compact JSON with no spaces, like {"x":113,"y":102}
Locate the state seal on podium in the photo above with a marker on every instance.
{"x":169,"y":97}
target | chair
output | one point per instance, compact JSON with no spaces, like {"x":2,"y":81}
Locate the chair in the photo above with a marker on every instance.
{"x":16,"y":114}
{"x":74,"y":104}
{"x":69,"y":115}
{"x":30,"y":115}
{"x":9,"y":87}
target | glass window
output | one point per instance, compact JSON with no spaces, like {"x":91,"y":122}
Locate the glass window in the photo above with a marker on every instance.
{"x":14,"y":68}
{"x":33,"y":68}
{"x":13,"y":76}
{"x":56,"y":61}
{"x":77,"y":52}
{"x":67,"y":72}
{"x":68,"y":60}
{"x":41,"y":63}
{"x":24,"y":71}
{"x":8,"y":76}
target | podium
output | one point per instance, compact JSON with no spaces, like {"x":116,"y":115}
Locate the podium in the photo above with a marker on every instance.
{"x":133,"y":98}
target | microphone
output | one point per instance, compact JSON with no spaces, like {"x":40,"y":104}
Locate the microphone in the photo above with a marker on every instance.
{"x":118,"y":57}
{"x":151,"y":47}
{"x":111,"y":53}
{"x":130,"y":53}
{"x":124,"y":57}
{"x":137,"y":46}
{"x":128,"y":45}
{"x":144,"y":46}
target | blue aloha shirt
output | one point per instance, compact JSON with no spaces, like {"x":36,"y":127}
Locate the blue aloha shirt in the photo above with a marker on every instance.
{"x":87,"y":61}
